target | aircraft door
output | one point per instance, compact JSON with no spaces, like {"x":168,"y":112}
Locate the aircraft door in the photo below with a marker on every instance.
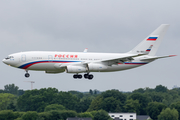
{"x":50,"y":58}
{"x":23,"y":58}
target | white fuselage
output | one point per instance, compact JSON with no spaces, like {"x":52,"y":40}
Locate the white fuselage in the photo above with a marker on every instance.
{"x":55,"y":62}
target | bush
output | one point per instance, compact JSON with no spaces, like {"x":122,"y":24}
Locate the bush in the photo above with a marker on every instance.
{"x":101,"y":115}
{"x":30,"y":115}
{"x":67,"y":113}
{"x":45,"y":116}
{"x":168,"y":114}
{"x":7,"y":115}
{"x":85,"y":115}
{"x":54,"y":107}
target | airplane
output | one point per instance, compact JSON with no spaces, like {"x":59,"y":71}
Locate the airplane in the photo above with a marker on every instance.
{"x":87,"y":62}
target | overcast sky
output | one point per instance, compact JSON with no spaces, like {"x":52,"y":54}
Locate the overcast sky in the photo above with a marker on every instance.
{"x":99,"y":25}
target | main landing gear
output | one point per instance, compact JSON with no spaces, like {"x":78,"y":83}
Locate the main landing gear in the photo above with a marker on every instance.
{"x":86,"y":76}
{"x":77,"y":76}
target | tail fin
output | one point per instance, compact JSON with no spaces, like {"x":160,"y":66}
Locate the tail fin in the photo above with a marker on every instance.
{"x":151,"y":44}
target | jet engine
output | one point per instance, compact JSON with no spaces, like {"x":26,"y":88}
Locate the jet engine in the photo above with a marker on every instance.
{"x":97,"y":67}
{"x":75,"y":69}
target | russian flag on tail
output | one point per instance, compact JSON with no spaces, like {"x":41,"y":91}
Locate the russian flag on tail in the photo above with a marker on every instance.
{"x":149,"y":49}
{"x":152,"y":39}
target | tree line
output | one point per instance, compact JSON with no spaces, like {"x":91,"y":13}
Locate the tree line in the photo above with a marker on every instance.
{"x":159,"y":103}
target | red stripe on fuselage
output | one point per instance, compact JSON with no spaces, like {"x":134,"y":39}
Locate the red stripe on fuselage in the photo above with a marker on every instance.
{"x":25,"y":67}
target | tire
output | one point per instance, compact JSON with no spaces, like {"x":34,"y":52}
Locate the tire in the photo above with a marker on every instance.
{"x":27,"y":75}
{"x":75,"y":76}
{"x":79,"y":76}
{"x":90,"y":77}
{"x":86,"y":76}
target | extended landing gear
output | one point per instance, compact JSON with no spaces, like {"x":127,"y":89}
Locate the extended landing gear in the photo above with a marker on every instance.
{"x":27,"y":75}
{"x":86,"y":76}
{"x":77,"y":76}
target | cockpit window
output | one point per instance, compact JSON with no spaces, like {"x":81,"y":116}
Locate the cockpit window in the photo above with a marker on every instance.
{"x":9,"y":57}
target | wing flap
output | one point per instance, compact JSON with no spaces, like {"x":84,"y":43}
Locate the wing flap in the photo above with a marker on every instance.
{"x":126,"y":57}
{"x":112,"y":61}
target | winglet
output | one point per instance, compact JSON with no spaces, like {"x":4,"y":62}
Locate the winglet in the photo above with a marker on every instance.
{"x":172,"y":55}
{"x":85,"y":50}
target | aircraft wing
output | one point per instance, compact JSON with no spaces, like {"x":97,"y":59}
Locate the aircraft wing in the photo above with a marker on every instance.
{"x":156,"y":57}
{"x":111,"y":61}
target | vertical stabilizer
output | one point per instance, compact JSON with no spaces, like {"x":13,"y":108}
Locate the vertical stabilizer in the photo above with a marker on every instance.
{"x":151,"y":43}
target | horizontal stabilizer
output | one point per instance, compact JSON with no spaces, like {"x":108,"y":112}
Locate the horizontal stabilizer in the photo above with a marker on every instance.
{"x":156,"y":57}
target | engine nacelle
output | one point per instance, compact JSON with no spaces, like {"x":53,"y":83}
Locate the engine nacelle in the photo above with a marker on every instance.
{"x":54,"y":72}
{"x":97,"y":67}
{"x":75,"y":69}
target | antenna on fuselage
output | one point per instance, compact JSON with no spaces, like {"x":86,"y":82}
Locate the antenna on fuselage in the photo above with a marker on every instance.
{"x":85,"y":50}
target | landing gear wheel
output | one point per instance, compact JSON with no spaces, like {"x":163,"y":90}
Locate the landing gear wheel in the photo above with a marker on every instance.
{"x":27,"y":75}
{"x":79,"y":76}
{"x":75,"y":76}
{"x":90,"y":77}
{"x":86,"y":76}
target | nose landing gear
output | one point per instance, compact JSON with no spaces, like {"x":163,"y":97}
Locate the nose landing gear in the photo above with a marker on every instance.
{"x":27,"y":75}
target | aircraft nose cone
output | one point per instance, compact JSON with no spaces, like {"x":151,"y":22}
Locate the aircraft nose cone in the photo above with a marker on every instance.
{"x":3,"y":60}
